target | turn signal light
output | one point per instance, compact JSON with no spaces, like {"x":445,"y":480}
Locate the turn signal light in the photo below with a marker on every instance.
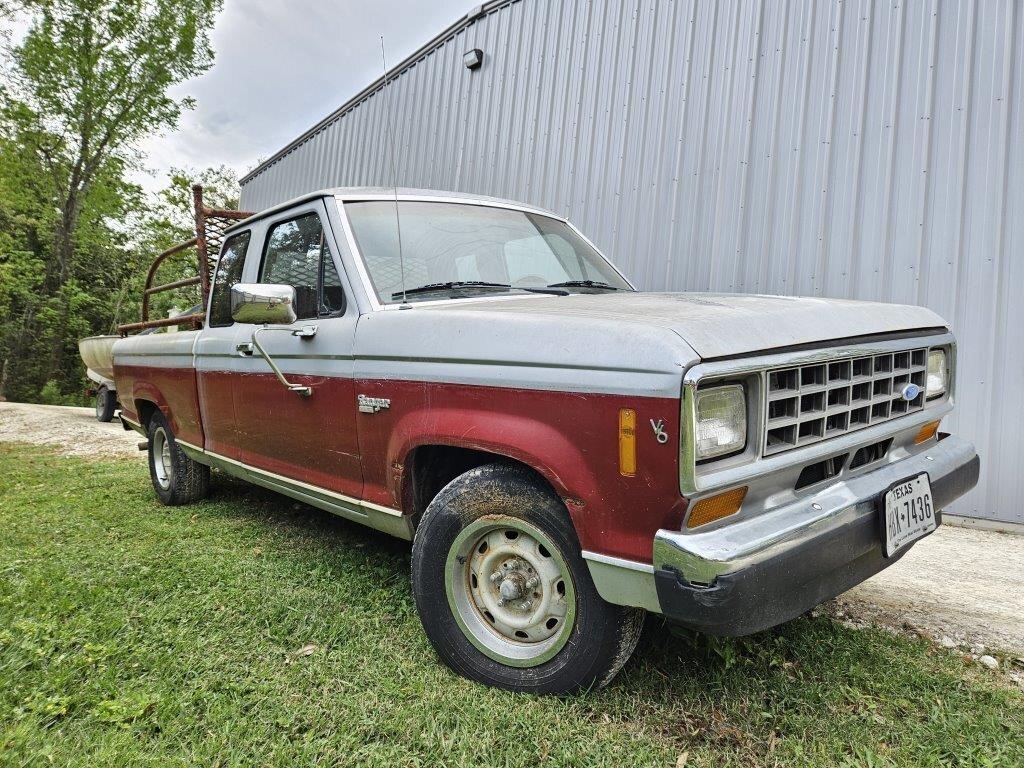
{"x":627,"y":442}
{"x":716,"y":507}
{"x":927,"y":432}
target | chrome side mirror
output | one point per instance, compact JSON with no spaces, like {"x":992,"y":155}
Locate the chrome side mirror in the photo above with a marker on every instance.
{"x":263,"y":303}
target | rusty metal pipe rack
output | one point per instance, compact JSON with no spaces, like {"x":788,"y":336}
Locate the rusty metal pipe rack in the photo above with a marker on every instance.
{"x":210,"y":226}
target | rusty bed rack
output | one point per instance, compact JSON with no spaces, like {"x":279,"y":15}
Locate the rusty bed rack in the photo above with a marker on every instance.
{"x":210,"y":226}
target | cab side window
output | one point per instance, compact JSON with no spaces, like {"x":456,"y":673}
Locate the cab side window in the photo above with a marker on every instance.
{"x":297,"y":254}
{"x":229,"y":272}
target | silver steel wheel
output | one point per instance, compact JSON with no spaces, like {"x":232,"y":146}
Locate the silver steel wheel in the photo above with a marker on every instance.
{"x":101,"y":403}
{"x":163,"y":466}
{"x":510,"y":590}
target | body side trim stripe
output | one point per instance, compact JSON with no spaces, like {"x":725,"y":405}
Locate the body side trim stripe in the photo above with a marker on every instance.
{"x":506,"y":363}
{"x":137,"y":358}
{"x":562,"y":379}
{"x":289,"y":481}
{"x":620,"y":562}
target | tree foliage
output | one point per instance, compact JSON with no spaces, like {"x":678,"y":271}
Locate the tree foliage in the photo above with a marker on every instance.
{"x":89,"y":79}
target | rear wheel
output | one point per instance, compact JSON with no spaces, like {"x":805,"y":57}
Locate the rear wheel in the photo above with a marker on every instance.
{"x":504,"y":594}
{"x":177,"y":479}
{"x":106,"y":400}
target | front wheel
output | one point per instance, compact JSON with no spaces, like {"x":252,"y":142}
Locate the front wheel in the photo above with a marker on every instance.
{"x":177,"y":479}
{"x":503,"y":591}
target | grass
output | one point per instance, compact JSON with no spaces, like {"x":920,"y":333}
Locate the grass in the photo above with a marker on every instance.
{"x":252,"y":630}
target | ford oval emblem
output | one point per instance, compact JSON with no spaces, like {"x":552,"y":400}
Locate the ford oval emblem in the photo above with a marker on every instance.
{"x":910,"y":392}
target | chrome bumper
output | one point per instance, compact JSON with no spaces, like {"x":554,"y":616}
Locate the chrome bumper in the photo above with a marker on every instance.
{"x":756,"y":573}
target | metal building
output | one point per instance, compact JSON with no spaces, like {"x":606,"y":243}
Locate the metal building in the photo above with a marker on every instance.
{"x":855,"y":149}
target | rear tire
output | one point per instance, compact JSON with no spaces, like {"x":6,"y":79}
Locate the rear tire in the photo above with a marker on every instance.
{"x":504,"y":594}
{"x":177,"y":479}
{"x":106,"y":400}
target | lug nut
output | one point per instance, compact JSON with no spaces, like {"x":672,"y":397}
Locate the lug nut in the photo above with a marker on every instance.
{"x":496,"y":577}
{"x":532,"y":582}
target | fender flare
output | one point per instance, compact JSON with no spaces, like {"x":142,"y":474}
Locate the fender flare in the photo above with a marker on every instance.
{"x":532,"y":443}
{"x":146,"y":391}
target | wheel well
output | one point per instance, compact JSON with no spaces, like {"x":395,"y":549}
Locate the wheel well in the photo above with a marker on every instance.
{"x":145,"y":409}
{"x":429,"y":468}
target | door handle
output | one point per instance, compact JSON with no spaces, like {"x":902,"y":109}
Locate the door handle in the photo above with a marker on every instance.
{"x":244,"y":349}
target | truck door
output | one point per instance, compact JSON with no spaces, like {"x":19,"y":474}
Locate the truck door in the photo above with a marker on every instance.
{"x":217,"y":360}
{"x":306,"y":439}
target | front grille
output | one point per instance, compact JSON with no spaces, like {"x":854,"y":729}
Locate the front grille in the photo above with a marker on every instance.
{"x":818,"y":401}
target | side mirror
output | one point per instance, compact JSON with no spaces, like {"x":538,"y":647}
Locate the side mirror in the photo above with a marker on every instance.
{"x":263,"y":303}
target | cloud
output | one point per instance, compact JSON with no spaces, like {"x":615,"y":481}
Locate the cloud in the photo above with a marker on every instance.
{"x":281,"y":68}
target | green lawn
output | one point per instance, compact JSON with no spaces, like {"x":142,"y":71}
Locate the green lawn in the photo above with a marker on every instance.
{"x":252,"y":630}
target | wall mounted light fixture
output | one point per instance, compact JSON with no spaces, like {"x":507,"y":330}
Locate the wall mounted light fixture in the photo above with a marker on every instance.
{"x":473,"y":58}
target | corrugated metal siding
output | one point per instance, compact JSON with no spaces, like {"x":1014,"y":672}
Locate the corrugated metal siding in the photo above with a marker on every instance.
{"x":851,"y":149}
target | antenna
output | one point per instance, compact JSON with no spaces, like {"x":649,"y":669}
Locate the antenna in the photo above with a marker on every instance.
{"x":394,"y":172}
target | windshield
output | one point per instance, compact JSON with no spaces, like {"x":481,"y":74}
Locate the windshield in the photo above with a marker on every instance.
{"x":455,"y":250}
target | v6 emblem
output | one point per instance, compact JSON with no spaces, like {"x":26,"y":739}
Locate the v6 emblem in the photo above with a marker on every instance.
{"x":659,"y":431}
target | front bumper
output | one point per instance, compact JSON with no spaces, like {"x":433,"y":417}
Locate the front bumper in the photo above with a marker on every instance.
{"x":757,"y":573}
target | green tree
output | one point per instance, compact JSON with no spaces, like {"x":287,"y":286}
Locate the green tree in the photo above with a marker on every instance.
{"x":89,"y":79}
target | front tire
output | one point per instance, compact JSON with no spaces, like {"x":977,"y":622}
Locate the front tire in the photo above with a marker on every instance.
{"x":177,"y":479}
{"x":106,"y":401}
{"x":504,"y":594}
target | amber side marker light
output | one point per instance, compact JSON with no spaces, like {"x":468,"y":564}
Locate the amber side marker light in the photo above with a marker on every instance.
{"x":716,"y":507}
{"x":927,"y":432}
{"x":627,"y":442}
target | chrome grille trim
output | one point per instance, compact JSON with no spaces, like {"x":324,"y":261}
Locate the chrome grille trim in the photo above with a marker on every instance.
{"x":809,"y":403}
{"x":753,"y":466}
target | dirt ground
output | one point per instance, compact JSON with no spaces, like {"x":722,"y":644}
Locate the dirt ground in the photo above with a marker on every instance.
{"x":960,"y":586}
{"x":963,"y":588}
{"x":74,"y":431}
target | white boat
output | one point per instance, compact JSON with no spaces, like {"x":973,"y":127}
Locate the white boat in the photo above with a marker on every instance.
{"x":98,"y":356}
{"x":97,"y":353}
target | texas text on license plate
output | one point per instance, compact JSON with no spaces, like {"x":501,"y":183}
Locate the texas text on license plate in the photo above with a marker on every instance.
{"x":909,"y":513}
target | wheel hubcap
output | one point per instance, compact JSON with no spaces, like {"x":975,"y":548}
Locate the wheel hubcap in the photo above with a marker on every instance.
{"x":510,"y":591}
{"x":162,"y":464}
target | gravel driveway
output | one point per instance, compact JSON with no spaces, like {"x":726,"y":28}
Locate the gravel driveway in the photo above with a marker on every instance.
{"x":73,"y":431}
{"x":959,"y":586}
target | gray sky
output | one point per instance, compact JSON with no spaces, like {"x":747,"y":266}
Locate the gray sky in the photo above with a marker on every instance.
{"x":281,"y":67}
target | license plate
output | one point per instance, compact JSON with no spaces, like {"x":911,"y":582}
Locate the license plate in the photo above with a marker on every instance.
{"x":909,"y":513}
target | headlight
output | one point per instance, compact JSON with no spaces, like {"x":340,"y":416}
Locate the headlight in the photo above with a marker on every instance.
{"x":935,"y":384}
{"x":721,"y":427}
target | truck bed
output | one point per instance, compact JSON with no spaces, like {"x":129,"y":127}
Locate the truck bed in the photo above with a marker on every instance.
{"x":159,"y":368}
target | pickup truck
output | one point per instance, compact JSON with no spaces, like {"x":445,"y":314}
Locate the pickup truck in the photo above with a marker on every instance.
{"x":563,"y":451}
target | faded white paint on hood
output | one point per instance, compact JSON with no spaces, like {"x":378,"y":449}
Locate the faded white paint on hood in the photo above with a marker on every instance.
{"x":721,"y":325}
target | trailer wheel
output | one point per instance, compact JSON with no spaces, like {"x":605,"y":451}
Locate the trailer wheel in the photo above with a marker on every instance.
{"x":504,"y":594}
{"x":105,"y":402}
{"x":177,"y":479}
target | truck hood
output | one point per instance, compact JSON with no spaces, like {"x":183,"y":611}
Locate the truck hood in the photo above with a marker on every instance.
{"x":719,"y":325}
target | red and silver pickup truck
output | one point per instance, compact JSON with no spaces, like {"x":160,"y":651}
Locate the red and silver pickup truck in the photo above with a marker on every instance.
{"x":563,"y":451}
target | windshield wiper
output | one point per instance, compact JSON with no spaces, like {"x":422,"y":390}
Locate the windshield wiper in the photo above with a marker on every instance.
{"x":449,"y":286}
{"x":550,"y":291}
{"x":456,"y":284}
{"x":584,"y":284}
